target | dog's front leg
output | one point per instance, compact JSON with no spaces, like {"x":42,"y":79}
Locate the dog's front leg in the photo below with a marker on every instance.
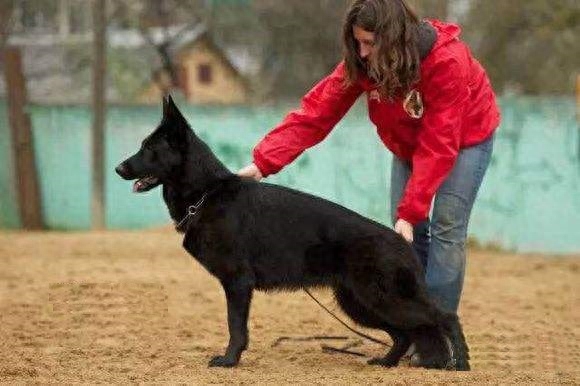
{"x":238,"y":296}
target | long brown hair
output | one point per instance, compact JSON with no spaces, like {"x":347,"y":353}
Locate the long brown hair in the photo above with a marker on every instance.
{"x":395,"y":64}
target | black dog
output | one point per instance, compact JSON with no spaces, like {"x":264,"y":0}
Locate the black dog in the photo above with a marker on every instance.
{"x":254,"y":235}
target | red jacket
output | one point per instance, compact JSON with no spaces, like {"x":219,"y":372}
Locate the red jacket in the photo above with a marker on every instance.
{"x":460,"y":110}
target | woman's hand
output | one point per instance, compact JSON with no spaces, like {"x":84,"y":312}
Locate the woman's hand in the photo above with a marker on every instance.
{"x":251,"y":171}
{"x":405,"y":229}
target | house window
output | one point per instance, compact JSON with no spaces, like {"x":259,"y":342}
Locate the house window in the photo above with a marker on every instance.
{"x":204,"y":73}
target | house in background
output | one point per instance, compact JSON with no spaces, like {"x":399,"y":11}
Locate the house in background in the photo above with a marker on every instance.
{"x":205,"y":73}
{"x":56,"y":44}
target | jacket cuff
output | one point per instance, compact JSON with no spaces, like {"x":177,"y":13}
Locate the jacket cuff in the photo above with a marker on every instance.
{"x":266,"y":167}
{"x":413,"y":219}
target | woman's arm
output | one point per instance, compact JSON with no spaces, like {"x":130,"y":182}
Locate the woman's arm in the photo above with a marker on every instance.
{"x":321,"y":109}
{"x":446,"y":93}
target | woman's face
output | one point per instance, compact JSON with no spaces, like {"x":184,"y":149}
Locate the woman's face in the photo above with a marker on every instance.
{"x":366,"y":42}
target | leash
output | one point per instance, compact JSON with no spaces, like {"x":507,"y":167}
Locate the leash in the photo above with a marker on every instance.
{"x":365,"y":336}
{"x":192,"y":210}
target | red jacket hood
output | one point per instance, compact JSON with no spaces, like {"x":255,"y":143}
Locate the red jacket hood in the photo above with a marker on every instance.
{"x":446,"y":32}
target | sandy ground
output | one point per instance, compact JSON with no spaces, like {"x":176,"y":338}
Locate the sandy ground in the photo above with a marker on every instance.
{"x":133,"y":307}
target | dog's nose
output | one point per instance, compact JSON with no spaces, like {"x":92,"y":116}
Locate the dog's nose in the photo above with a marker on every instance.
{"x":121,"y":170}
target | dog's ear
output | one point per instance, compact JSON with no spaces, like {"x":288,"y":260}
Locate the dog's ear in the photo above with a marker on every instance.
{"x":174,"y":125}
{"x":170,"y":110}
{"x":166,"y":104}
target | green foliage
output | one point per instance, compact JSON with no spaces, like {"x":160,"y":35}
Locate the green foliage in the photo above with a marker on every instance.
{"x":438,"y":9}
{"x":303,"y":42}
{"x":527,"y":45}
{"x":126,"y":71}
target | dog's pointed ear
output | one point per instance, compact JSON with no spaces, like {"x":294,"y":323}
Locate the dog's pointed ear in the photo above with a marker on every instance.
{"x":166,"y":99}
{"x":174,"y":125}
{"x":170,"y":110}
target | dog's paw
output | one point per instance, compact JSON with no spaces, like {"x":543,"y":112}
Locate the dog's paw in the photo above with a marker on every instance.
{"x":383,"y":361}
{"x":431,"y":363}
{"x":222,"y":361}
{"x":459,"y":365}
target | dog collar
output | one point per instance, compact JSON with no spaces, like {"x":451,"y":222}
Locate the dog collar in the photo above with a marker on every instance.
{"x":192,"y":210}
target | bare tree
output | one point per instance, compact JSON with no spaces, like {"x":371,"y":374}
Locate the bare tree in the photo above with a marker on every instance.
{"x":27,"y":187}
{"x":529,"y":46}
{"x":299,"y":48}
{"x":99,"y":114}
{"x":150,"y":15}
{"x":6,"y":11}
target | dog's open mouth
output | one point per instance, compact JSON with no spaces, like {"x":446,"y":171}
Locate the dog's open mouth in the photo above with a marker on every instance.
{"x":145,"y":184}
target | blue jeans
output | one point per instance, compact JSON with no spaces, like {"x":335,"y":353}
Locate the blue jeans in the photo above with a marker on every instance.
{"x":440,"y":242}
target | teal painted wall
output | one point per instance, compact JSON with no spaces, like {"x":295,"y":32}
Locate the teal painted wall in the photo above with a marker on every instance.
{"x":530,"y":199}
{"x":9,"y":216}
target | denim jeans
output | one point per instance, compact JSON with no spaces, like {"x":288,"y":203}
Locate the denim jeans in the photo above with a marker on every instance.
{"x":440,"y":241}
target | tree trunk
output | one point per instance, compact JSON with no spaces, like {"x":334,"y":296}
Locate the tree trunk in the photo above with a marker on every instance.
{"x":578,"y":117}
{"x":578,"y":97}
{"x":28,"y":192}
{"x":99,"y":114}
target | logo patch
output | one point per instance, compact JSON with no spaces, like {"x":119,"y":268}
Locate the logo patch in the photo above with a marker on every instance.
{"x":413,"y":104}
{"x":374,"y":95}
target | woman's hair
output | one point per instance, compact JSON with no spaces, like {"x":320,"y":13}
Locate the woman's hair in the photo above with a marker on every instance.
{"x":394,"y":65}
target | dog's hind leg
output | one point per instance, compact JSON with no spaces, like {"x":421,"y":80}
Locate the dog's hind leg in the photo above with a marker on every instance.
{"x":432,"y":351}
{"x":441,"y":345}
{"x":391,"y":285}
{"x":401,"y":343}
{"x":459,"y":346}
{"x":238,"y":295}
{"x":409,"y":311}
{"x":365,"y":317}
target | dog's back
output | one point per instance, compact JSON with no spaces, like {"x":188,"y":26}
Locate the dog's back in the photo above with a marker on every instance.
{"x":290,"y":239}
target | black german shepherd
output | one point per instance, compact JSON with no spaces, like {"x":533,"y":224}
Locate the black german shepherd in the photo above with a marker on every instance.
{"x":253,"y":235}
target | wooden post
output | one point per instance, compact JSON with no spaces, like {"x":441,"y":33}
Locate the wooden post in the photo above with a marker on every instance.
{"x":99,"y":114}
{"x":29,"y":199}
{"x":578,"y":118}
{"x":578,"y":97}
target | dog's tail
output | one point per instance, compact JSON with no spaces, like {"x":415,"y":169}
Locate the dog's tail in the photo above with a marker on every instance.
{"x":459,"y":349}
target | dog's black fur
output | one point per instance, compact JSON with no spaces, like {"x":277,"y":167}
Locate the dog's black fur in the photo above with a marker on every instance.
{"x":253,"y":235}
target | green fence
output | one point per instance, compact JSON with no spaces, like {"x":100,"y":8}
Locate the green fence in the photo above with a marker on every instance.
{"x":530,"y":200}
{"x":8,"y":209}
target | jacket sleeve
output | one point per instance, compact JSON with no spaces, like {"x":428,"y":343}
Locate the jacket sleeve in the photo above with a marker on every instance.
{"x":321,"y":109}
{"x":446,"y":93}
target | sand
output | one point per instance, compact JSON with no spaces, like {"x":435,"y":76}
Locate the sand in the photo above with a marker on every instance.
{"x":134,"y":307}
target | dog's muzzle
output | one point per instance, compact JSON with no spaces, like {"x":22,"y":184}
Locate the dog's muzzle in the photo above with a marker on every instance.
{"x":123,"y":171}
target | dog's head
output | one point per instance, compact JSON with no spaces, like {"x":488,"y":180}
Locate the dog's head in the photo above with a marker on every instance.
{"x":161,"y":153}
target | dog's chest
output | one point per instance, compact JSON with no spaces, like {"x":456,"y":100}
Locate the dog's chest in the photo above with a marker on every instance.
{"x":210,"y":251}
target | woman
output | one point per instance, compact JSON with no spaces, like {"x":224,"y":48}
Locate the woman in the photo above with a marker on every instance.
{"x":433,"y":107}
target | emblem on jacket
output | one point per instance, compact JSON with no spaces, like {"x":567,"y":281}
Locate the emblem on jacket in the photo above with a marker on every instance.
{"x":413,"y":104}
{"x":375,"y":95}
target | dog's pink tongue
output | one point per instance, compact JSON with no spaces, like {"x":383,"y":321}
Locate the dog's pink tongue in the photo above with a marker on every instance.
{"x":137,"y":186}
